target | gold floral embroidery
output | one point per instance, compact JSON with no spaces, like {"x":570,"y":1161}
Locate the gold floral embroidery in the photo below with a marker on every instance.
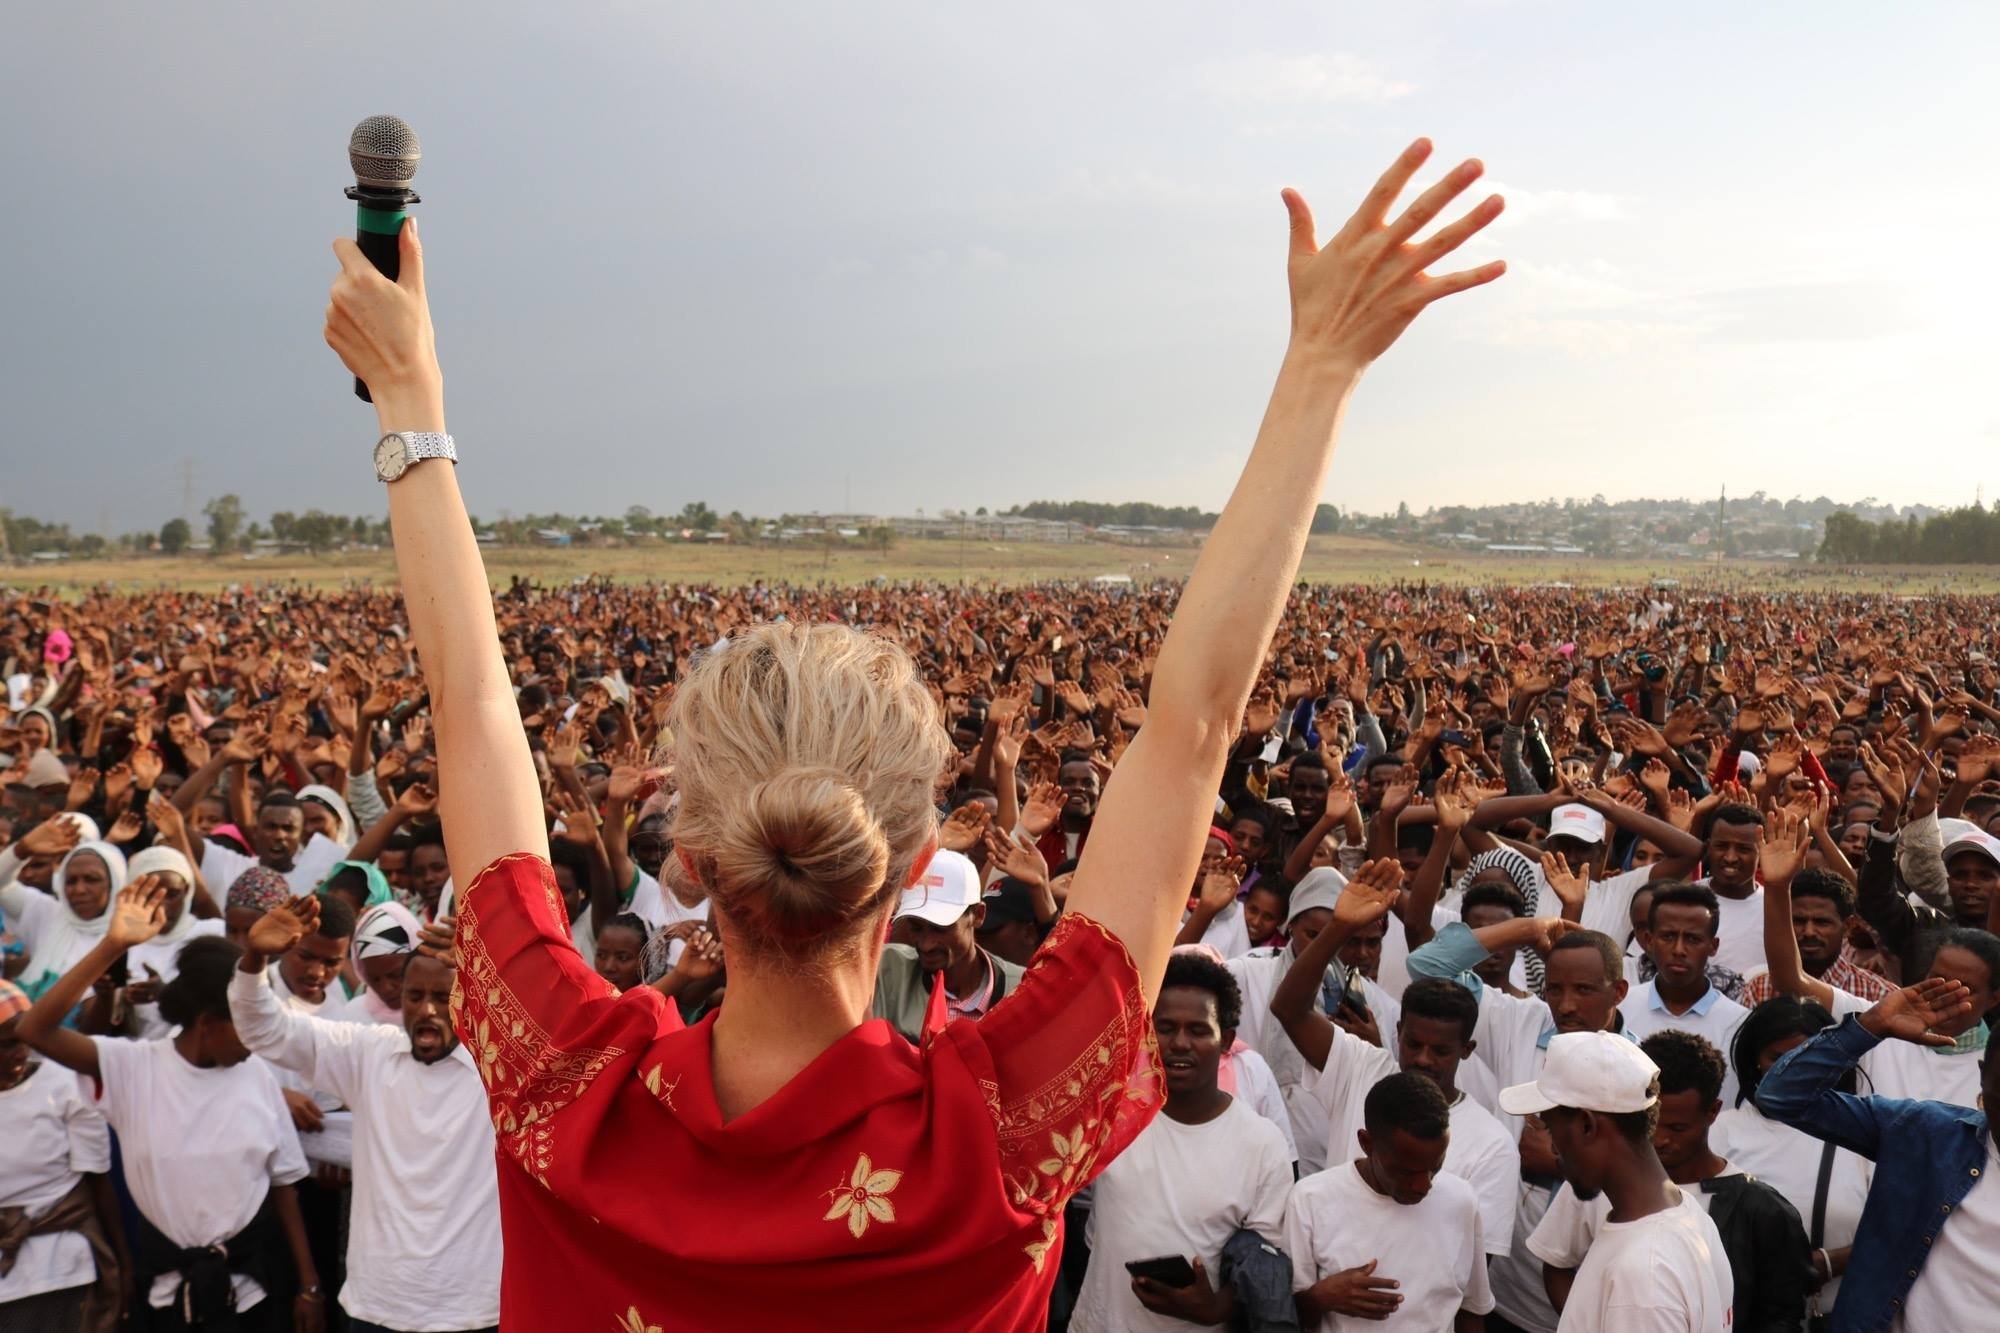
{"x":864,"y":1198}
{"x":528,"y":1078}
{"x":634,"y":1322}
{"x":1052,"y":1137}
{"x":1038,"y":1250}
{"x":663,"y":1089}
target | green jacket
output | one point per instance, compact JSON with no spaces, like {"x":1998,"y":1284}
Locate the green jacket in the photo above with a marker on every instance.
{"x":903,"y":991}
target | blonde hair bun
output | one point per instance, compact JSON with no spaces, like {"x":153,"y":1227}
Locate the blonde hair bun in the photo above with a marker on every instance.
{"x":809,"y":759}
{"x":805,"y":840}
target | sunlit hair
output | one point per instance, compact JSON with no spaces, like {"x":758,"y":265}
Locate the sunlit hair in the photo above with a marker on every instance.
{"x":809,"y":760}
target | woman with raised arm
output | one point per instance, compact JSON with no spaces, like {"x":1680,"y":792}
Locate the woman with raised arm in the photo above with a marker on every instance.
{"x":789,"y":1160}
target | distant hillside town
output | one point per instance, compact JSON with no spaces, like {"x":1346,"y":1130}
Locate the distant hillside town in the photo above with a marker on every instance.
{"x":1751,"y":527}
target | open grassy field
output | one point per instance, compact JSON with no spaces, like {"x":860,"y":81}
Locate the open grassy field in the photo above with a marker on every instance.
{"x":1338,"y":559}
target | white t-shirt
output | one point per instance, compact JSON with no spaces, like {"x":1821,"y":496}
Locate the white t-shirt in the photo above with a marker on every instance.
{"x":1959,"y":1285}
{"x":1257,"y":975}
{"x":1336,"y":1221}
{"x":654,"y":904}
{"x":1607,"y":903}
{"x":1714,"y":1018}
{"x":52,"y":1138}
{"x":1226,"y":933}
{"x":1509,"y":1035}
{"x":1663,"y":1273}
{"x":202,"y":1147}
{"x":1740,"y":931}
{"x":333,"y":1009}
{"x":163,"y":956}
{"x":1257,"y":1085}
{"x":1179,"y":1190}
{"x":1898,"y":1068}
{"x":1394,"y":970}
{"x":315,"y":861}
{"x":1787,"y":1160}
{"x":423,"y":1249}
{"x":658,"y":908}
{"x":1480,"y":1153}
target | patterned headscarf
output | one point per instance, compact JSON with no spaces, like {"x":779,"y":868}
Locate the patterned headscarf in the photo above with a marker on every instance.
{"x":260,"y":889}
{"x":1526,"y":877}
{"x":386,"y":928}
{"x":13,"y":1001}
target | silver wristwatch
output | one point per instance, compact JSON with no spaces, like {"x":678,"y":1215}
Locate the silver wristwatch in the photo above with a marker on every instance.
{"x":396,"y":451}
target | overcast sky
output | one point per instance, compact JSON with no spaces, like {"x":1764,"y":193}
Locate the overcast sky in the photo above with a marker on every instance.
{"x":948,"y":255}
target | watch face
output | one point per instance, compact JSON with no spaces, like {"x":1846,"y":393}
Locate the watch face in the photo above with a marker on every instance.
{"x":392,"y":457}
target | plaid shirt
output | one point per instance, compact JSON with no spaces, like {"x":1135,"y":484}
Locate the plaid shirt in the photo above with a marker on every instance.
{"x":1845,"y":974}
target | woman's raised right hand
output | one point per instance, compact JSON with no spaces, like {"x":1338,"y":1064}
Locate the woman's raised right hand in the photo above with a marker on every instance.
{"x":1354,"y":296}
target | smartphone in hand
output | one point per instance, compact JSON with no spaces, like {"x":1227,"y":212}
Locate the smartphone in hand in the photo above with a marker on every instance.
{"x":1171,"y":1271}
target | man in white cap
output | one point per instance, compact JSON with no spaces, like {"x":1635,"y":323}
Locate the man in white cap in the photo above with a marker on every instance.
{"x":1656,"y":1262}
{"x":940,"y":915}
{"x":1580,"y":833}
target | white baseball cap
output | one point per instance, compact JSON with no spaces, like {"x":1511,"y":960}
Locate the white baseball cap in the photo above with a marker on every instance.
{"x":950,"y":884}
{"x":1973,"y":840}
{"x":1577,"y":821}
{"x":1588,"y":1071}
{"x":1320,"y":888}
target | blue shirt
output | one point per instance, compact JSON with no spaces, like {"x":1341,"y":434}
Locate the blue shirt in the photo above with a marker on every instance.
{"x":1928,"y":1156}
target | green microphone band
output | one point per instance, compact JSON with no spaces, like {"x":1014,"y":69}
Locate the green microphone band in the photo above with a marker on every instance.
{"x":383,"y":222}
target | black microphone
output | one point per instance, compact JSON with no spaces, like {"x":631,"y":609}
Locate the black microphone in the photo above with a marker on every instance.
{"x":384,"y":153}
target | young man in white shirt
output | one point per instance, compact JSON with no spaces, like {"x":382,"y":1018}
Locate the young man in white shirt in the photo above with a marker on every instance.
{"x":423,"y":1249}
{"x":1432,"y":1036}
{"x":1583,"y":985}
{"x":278,"y":837}
{"x":1390,"y":1240}
{"x":1205,"y":1168}
{"x":1762,"y":1236}
{"x":1735,"y":840}
{"x":1656,"y":1263}
{"x":1680,"y":938}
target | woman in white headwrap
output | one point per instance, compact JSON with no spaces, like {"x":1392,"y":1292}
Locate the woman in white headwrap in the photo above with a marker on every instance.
{"x":61,"y":926}
{"x":157,"y":961}
{"x":332,"y":819}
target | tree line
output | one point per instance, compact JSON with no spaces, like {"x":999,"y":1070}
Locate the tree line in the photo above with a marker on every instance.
{"x":1140,"y":514}
{"x":1967,"y":536}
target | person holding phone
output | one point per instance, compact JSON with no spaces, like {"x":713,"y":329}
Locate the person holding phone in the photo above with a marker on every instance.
{"x":787,"y":1155}
{"x":1208,"y":1167}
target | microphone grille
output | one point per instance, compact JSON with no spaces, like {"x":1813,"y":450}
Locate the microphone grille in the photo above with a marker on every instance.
{"x":384,"y":152}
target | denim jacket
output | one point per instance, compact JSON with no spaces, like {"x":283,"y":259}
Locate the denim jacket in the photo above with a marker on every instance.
{"x":1928,"y":1156}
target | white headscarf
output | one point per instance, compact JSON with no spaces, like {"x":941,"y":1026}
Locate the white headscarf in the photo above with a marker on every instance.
{"x":69,"y":937}
{"x":335,"y":802}
{"x":163,"y":860}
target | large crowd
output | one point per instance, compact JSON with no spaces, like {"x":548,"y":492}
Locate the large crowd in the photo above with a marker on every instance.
{"x":1630,"y":849}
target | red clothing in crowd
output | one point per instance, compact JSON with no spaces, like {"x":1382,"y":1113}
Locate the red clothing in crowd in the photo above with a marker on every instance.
{"x":885,"y":1187}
